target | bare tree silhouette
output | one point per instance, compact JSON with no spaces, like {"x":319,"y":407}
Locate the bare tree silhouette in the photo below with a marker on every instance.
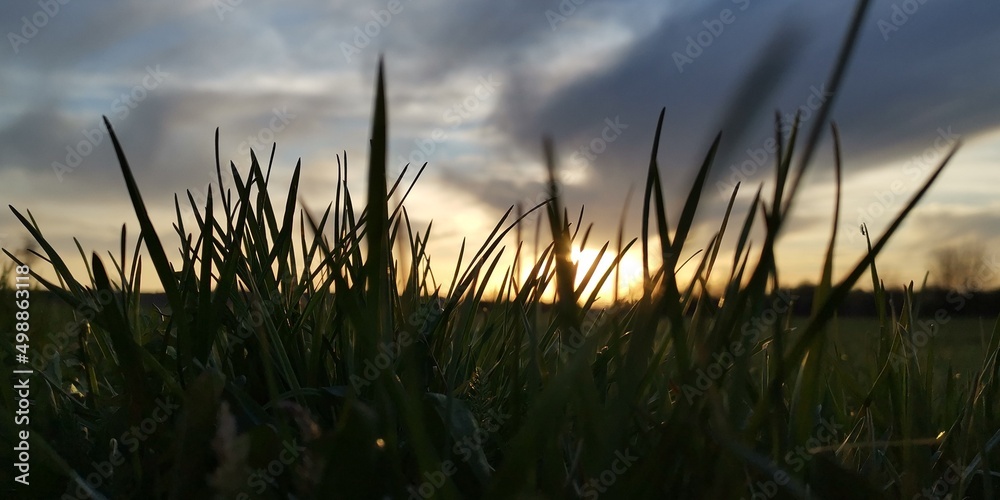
{"x":960,"y":267}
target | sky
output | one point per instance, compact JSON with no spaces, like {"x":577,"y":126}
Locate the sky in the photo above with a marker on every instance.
{"x":472,"y":88}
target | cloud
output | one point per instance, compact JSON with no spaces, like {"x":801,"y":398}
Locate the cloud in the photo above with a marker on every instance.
{"x":594,"y":79}
{"x":898,"y":95}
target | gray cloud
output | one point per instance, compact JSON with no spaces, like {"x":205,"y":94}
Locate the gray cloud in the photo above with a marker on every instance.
{"x":595,"y":82}
{"x":928,"y":75}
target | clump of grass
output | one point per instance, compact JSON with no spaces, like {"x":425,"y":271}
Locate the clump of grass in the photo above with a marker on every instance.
{"x":298,"y":359}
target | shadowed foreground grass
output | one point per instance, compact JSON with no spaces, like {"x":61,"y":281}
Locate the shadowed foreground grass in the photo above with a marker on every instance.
{"x":296,"y":359}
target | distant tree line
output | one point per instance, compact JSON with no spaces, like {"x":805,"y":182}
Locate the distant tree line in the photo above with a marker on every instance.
{"x":967,"y":303}
{"x":861,"y":303}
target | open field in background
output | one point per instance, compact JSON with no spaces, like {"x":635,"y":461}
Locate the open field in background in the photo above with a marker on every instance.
{"x":959,"y":344}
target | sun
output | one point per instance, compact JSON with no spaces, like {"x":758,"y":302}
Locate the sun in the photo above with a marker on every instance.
{"x":629,"y":273}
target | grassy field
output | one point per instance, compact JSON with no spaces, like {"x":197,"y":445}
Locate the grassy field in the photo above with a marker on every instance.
{"x":296,"y":358}
{"x":960,"y":343}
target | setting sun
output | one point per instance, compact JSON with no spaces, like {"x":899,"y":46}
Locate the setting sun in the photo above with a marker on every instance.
{"x":629,"y":273}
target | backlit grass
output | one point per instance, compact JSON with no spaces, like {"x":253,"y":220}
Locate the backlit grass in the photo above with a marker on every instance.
{"x":297,"y":359}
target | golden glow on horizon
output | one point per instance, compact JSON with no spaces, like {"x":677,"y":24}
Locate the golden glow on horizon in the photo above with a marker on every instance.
{"x":629,"y":269}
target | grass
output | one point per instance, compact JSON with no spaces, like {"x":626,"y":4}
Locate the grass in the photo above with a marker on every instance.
{"x":299,"y":359}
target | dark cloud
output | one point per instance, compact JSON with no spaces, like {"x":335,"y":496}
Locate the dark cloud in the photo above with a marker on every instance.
{"x":928,"y":75}
{"x":913,"y":76}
